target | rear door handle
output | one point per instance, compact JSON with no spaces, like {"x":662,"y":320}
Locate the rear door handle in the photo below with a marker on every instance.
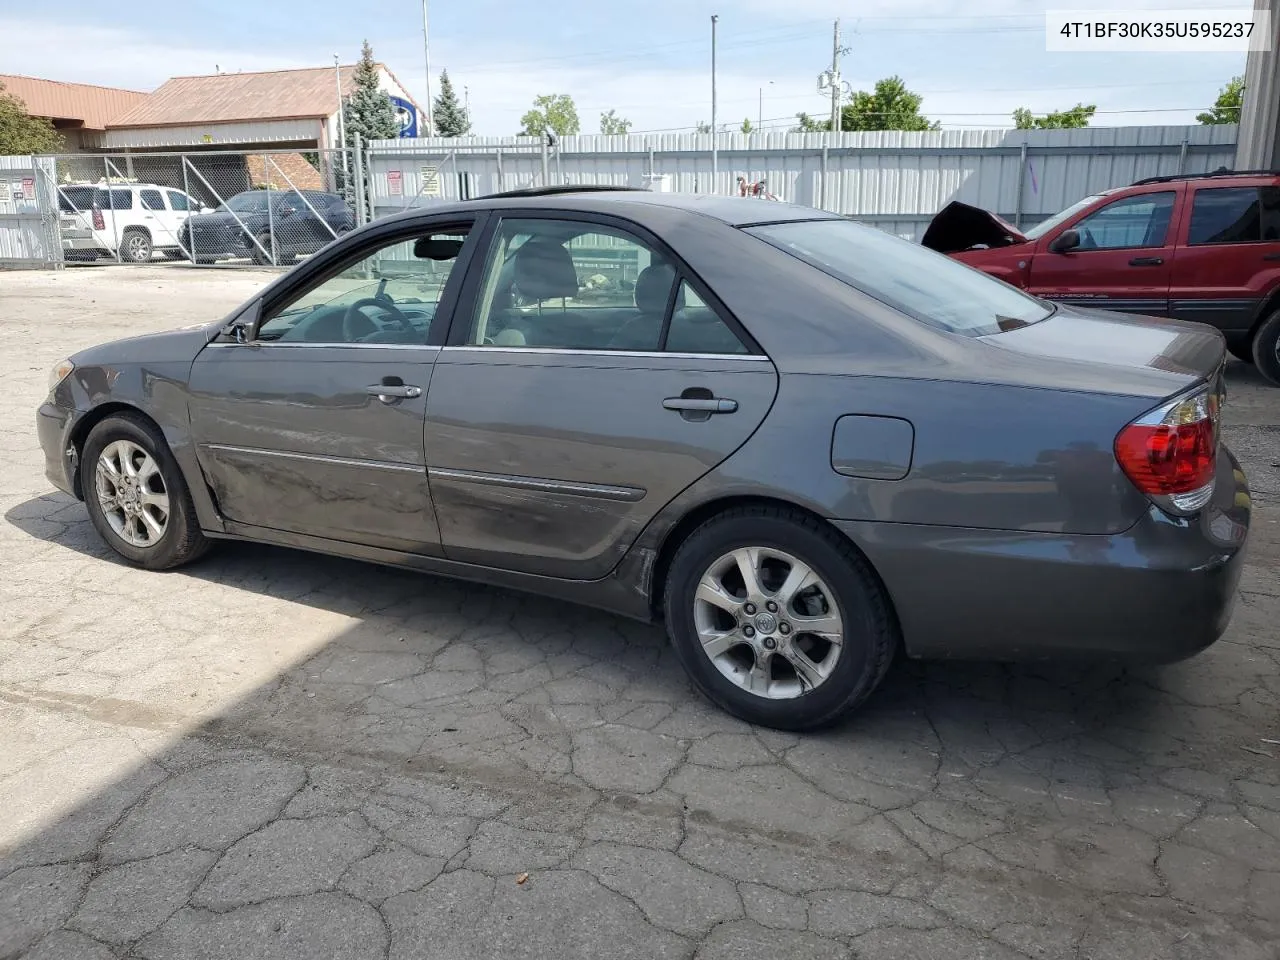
{"x":698,"y":405}
{"x":391,"y":392}
{"x":1146,"y":261}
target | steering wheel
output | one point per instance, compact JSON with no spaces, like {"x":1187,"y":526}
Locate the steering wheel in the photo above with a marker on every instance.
{"x":355,"y":325}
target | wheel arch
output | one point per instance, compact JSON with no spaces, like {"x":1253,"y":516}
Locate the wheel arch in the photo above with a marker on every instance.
{"x":1270,"y":304}
{"x":84,"y":426}
{"x":681,"y":530}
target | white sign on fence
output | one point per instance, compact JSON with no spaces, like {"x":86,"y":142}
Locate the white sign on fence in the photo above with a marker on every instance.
{"x":395,"y":183}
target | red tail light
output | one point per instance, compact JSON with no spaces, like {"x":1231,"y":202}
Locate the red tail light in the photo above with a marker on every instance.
{"x":1171,"y":453}
{"x":98,"y":222}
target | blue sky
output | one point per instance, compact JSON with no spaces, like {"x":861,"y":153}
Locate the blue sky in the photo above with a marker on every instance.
{"x":649,"y":61}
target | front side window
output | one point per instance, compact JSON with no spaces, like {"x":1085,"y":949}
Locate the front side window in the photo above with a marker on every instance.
{"x":1226,"y":215}
{"x":1062,"y":216}
{"x":928,"y":286}
{"x":179,"y":201}
{"x":388,"y":297}
{"x":561,"y":284}
{"x":1138,"y":221}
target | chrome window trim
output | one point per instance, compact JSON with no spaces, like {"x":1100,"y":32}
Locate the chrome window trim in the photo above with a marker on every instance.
{"x":318,"y":458}
{"x":272,"y":344}
{"x":576,"y":352}
{"x":593,"y":491}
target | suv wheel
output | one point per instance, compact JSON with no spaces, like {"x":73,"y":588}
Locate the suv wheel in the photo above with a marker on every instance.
{"x":778,"y":619}
{"x":1266,"y":348}
{"x":135,"y":246}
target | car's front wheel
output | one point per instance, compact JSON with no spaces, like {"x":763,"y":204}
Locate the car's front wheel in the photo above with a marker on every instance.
{"x":136,"y":496}
{"x":777,"y":618}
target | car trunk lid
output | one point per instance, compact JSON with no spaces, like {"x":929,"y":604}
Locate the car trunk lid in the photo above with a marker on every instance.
{"x":959,"y":226}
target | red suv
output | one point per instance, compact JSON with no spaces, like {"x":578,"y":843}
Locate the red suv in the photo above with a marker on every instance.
{"x":1204,"y":247}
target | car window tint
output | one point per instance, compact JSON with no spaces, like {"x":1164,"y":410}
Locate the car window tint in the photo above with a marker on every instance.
{"x":178,"y":201}
{"x":1138,"y":221}
{"x":928,"y":286}
{"x":1225,"y":215}
{"x":75,"y":199}
{"x":400,"y":285}
{"x":114,"y":199}
{"x":572,"y":286}
{"x":696,"y":328}
{"x":151,"y":199}
{"x":248,"y":202}
{"x":1270,"y":214}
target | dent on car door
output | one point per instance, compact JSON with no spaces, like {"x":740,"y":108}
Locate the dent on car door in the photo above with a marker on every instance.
{"x":586,"y":384}
{"x":314,"y":426}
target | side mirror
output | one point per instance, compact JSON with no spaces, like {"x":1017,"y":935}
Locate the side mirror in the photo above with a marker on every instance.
{"x":1065,"y":242}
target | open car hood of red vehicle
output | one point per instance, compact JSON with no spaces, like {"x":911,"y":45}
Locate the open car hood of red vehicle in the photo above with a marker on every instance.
{"x":958,"y":226}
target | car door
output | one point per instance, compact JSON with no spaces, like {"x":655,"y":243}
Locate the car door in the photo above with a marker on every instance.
{"x":158,"y":218}
{"x":1230,"y":258}
{"x":588,"y":380}
{"x":1124,"y":260}
{"x":314,"y":424}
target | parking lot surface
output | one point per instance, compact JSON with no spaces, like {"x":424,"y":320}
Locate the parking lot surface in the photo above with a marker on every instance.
{"x":275,"y":754}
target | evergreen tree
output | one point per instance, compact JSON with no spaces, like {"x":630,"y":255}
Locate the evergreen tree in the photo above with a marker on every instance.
{"x":368,"y":111}
{"x":450,"y":118}
{"x":22,"y":133}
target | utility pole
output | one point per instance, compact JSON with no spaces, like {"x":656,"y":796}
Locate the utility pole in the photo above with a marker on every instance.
{"x":341,"y":124}
{"x":715,"y":157}
{"x":426,"y":55}
{"x":835,"y":78}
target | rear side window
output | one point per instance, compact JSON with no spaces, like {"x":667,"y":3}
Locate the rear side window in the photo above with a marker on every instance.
{"x":151,"y":200}
{"x":1226,"y":215}
{"x":928,"y":286}
{"x":114,"y":199}
{"x":75,"y":199}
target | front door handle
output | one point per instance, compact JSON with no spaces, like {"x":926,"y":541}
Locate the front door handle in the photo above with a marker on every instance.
{"x":701,"y":405}
{"x":1146,"y":261}
{"x":392,"y":389}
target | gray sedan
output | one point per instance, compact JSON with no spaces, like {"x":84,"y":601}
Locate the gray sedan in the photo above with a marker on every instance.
{"x":803,"y":443}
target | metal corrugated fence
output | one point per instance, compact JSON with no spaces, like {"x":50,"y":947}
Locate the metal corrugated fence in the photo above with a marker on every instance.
{"x":893,"y":179}
{"x":28,"y":225}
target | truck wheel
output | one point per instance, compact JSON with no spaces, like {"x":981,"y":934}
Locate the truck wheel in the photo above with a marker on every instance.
{"x":1266,"y":348}
{"x":135,"y":246}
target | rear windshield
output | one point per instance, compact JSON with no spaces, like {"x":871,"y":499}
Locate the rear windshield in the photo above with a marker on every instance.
{"x":925,"y":285}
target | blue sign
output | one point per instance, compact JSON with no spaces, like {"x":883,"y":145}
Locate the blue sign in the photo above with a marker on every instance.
{"x":406,"y":116}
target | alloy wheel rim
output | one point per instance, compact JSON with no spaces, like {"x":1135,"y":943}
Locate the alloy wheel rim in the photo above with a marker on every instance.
{"x":768,"y":622}
{"x":136,"y":247}
{"x":132,"y":494}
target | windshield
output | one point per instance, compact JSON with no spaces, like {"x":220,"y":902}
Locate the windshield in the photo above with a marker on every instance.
{"x":928,"y":286}
{"x":1044,"y":226}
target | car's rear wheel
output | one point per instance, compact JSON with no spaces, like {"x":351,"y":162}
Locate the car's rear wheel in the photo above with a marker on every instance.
{"x":135,"y":246}
{"x":777,"y":618}
{"x":1266,"y":348}
{"x":136,"y":496}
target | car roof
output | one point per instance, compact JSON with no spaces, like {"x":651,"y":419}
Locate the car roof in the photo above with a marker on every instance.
{"x":1222,"y":174}
{"x":734,"y":211}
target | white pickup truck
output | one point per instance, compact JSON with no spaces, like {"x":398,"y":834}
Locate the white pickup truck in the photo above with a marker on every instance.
{"x":130,"y":221}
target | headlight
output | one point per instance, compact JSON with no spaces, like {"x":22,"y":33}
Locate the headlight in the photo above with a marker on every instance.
{"x":61,"y":370}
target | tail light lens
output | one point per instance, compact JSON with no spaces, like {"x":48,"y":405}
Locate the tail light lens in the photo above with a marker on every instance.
{"x":1171,"y":453}
{"x":98,"y":222}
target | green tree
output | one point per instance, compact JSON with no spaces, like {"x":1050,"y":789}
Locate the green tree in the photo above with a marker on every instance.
{"x":611,"y":124}
{"x":1226,"y":109}
{"x":553,"y":112}
{"x":746,"y":125}
{"x":22,"y":133}
{"x":368,"y":111}
{"x":890,"y":106}
{"x":450,"y":118}
{"x":1077,"y":116}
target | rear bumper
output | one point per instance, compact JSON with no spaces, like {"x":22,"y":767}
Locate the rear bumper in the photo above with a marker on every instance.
{"x":1161,"y":591}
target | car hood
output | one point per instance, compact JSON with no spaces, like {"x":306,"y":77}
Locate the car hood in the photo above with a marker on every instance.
{"x":172,"y":345}
{"x":959,"y":226}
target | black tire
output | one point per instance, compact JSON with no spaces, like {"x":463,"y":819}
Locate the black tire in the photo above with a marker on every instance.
{"x":172,"y":255}
{"x":262,"y":254}
{"x":1266,"y":348}
{"x":870,"y":629}
{"x":182,"y":540}
{"x":135,"y":245}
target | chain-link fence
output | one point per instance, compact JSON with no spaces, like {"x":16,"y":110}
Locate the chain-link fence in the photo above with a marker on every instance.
{"x":266,"y":208}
